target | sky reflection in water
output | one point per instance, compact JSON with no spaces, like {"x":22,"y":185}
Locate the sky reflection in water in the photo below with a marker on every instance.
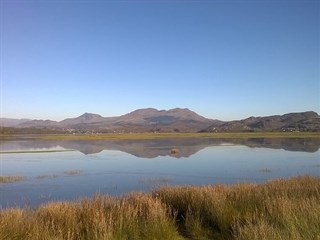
{"x":118,"y":167}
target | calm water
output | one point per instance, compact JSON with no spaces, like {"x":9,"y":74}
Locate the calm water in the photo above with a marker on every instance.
{"x":118,"y":167}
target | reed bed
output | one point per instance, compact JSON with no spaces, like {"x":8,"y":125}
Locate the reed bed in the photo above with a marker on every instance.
{"x":134,"y":216}
{"x":279,"y":209}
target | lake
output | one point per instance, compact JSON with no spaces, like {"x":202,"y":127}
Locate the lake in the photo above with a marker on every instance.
{"x":119,"y":166}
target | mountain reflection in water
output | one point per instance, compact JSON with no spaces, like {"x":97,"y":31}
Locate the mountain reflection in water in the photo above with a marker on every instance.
{"x":162,"y":147}
{"x":121,"y":165}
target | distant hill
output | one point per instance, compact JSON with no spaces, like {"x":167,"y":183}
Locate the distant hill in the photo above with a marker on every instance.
{"x":173,"y":120}
{"x":304,"y":121}
{"x":10,"y":122}
{"x":141,"y":120}
{"x":37,"y":123}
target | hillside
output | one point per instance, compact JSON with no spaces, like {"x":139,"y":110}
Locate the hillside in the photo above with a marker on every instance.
{"x":141,"y":120}
{"x":86,"y":118}
{"x":11,"y":122}
{"x":305,"y":121}
{"x":173,"y":120}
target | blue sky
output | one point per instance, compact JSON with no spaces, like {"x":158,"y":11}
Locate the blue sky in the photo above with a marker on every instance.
{"x":223,"y":59}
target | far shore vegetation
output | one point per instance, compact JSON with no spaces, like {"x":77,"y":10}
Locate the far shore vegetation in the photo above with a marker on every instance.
{"x":115,"y":136}
{"x":279,"y":209}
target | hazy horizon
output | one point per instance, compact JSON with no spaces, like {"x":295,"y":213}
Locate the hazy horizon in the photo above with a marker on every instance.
{"x":225,"y":60}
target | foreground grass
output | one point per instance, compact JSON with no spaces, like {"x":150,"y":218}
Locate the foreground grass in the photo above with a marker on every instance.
{"x":280,"y":209}
{"x":10,"y":179}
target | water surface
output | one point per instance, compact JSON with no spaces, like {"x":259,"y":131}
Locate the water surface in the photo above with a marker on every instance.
{"x":120,"y":166}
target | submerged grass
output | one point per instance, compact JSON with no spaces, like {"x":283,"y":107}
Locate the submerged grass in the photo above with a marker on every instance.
{"x":279,"y":209}
{"x":10,"y":179}
{"x":73,"y":172}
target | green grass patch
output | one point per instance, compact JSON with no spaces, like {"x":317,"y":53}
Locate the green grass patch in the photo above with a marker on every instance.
{"x":115,"y":136}
{"x":278,"y":209}
{"x":10,"y":179}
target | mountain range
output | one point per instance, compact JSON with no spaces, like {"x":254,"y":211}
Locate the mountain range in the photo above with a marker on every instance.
{"x":173,"y":120}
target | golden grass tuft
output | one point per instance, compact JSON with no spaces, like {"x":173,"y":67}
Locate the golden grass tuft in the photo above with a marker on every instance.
{"x":10,"y":179}
{"x":175,"y":151}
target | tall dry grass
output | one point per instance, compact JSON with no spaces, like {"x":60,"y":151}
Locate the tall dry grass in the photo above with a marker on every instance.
{"x":279,"y":209}
{"x":135,"y":216}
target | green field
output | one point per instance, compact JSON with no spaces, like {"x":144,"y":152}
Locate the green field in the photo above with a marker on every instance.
{"x":279,"y":209}
{"x":115,"y":136}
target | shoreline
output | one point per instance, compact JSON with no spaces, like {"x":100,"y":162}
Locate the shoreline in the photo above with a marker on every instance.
{"x":120,"y":136}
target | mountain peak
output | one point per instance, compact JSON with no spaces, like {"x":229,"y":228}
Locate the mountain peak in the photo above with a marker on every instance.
{"x":89,"y":115}
{"x":144,"y":111}
{"x":179,"y":110}
{"x":83,"y":119}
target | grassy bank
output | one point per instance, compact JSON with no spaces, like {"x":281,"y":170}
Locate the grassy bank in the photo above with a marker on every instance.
{"x":280,"y":209}
{"x":115,"y":136}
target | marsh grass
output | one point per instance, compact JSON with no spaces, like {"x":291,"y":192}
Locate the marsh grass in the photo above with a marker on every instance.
{"x":279,"y":209}
{"x":134,"y":216}
{"x":10,"y":179}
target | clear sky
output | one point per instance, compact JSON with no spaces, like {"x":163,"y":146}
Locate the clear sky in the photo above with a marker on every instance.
{"x":222,"y":59}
